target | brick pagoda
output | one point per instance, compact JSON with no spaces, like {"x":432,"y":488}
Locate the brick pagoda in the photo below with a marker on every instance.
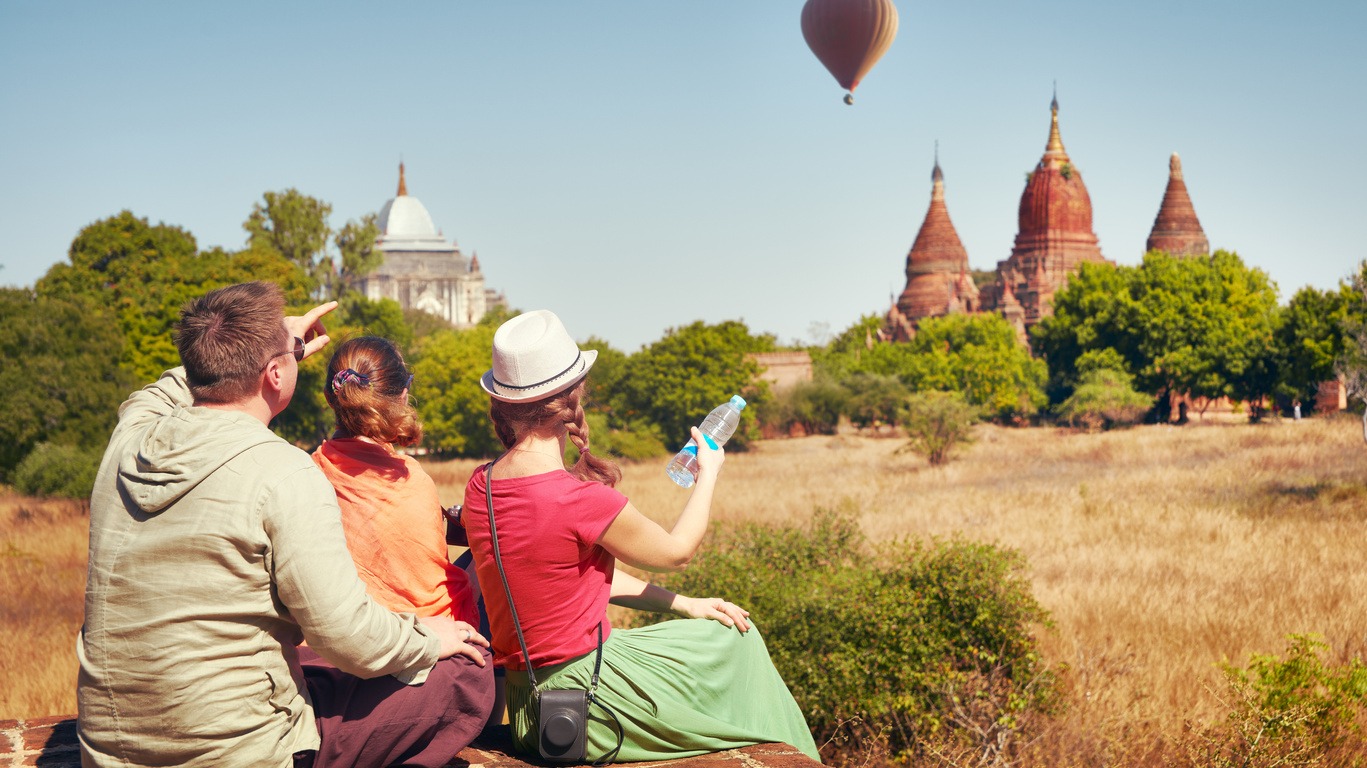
{"x":938,"y":282}
{"x":1176,"y":230}
{"x":1054,"y":238}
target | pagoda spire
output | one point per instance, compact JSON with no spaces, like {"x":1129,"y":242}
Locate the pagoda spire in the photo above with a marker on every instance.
{"x":936,"y":260}
{"x":937,"y":177}
{"x":403,"y":187}
{"x":1054,"y":153}
{"x":1176,"y":230}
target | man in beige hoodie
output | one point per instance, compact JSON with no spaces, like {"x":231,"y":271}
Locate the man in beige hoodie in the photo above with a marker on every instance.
{"x":216,"y":547}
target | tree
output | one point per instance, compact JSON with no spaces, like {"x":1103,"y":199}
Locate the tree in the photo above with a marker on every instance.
{"x":977,"y":355}
{"x":676,"y":381}
{"x":61,"y":382}
{"x":1310,"y":339}
{"x":816,"y":406}
{"x":356,"y":256}
{"x":1200,"y":326}
{"x":1094,"y":312}
{"x":447,"y":367}
{"x":936,"y":423}
{"x":295,"y":226}
{"x":1104,"y":398}
{"x":980,"y":357}
{"x":874,"y":398}
{"x":1352,"y":365}
{"x":144,"y":274}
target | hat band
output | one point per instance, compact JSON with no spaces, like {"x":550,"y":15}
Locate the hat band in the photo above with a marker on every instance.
{"x":577,"y":358}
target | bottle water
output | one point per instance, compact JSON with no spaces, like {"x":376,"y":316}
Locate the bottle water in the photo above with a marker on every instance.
{"x":717,"y":428}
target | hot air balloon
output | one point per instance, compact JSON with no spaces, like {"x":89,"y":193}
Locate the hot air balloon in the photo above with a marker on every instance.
{"x":849,"y":36}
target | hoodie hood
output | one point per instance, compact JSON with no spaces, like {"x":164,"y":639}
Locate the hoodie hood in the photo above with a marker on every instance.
{"x":182,"y":448}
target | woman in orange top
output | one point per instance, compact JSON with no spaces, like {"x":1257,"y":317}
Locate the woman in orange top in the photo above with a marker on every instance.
{"x":390,"y":510}
{"x":395,"y":529}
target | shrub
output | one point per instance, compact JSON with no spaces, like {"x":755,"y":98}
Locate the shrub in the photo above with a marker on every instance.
{"x":937,"y":423}
{"x":1105,"y":398}
{"x":1292,"y":710}
{"x":637,"y":441}
{"x":58,"y":470}
{"x":875,"y":399}
{"x":814,"y":405}
{"x":894,"y":638}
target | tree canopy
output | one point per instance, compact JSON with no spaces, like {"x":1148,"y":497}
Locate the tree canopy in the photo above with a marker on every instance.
{"x":1200,"y":326}
{"x":62,"y":381}
{"x":676,"y":381}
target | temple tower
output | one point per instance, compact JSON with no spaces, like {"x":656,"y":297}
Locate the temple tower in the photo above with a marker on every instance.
{"x":1176,"y":230}
{"x":422,"y":269}
{"x":938,"y":282}
{"x":1055,"y":234}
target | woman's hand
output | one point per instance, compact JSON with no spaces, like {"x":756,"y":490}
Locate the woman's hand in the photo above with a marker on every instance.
{"x":714,"y":608}
{"x":709,"y":459}
{"x":457,"y":638}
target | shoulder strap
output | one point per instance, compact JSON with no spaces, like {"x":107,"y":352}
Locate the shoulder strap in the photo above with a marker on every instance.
{"x":498,"y":561}
{"x":517,"y":625}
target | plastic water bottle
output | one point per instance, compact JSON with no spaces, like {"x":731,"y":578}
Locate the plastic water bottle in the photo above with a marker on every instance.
{"x":717,"y":428}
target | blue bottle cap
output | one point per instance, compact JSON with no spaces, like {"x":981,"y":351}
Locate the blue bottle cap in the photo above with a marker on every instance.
{"x":738,"y":401}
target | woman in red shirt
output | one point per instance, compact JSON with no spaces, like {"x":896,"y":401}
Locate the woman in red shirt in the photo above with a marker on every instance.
{"x":677,"y":688}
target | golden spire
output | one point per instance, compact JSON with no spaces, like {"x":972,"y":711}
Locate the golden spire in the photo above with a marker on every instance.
{"x":403,"y":188}
{"x":1054,"y":153}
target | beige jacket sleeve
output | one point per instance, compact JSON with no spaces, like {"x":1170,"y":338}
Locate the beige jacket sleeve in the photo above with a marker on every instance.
{"x":316,"y":581}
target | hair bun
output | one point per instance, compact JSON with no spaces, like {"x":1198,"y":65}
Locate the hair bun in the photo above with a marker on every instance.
{"x":345,"y":375}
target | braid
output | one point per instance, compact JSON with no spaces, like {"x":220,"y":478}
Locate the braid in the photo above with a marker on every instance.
{"x":588,"y":467}
{"x":511,"y":420}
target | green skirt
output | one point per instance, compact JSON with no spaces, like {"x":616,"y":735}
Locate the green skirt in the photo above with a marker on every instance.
{"x":680,"y":688}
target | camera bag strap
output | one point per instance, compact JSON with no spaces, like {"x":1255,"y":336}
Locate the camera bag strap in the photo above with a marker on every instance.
{"x":517,"y":625}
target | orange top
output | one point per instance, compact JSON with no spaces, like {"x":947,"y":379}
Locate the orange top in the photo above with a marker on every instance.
{"x":395,"y":529}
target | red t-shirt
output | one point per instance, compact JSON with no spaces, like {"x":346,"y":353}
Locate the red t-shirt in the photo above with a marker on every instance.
{"x":561,"y":579}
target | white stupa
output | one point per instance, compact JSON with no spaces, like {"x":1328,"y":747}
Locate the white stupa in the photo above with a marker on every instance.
{"x":422,"y":269}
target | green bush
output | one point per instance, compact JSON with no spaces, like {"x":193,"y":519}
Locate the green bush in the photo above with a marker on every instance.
{"x":635,"y":442}
{"x":58,"y":470}
{"x":813,"y":405}
{"x":875,"y":399}
{"x":1290,"y":710}
{"x":1104,"y":399}
{"x":936,"y":423}
{"x":893,"y":638}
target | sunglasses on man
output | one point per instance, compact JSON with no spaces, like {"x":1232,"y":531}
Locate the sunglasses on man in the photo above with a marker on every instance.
{"x":297,"y":351}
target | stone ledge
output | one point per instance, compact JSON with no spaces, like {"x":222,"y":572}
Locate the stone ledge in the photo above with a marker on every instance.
{"x":51,"y":742}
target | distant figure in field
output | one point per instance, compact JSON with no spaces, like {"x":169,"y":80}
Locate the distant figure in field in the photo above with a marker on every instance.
{"x":1296,"y":409}
{"x":675,"y":689}
{"x":216,"y":548}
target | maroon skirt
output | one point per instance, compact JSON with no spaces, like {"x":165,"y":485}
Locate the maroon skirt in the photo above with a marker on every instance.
{"x":381,"y":721}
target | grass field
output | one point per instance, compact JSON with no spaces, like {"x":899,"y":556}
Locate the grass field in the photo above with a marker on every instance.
{"x":1159,"y":551}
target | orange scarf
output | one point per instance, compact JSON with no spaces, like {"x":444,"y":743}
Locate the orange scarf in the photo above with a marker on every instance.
{"x":395,"y":530}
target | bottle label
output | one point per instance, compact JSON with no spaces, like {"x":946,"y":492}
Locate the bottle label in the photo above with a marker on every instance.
{"x":710,"y":443}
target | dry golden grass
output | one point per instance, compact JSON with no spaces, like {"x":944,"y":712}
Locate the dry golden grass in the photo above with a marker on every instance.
{"x":42,"y":588}
{"x":1159,"y":551}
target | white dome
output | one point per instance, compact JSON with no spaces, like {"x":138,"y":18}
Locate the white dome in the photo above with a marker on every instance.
{"x":405,"y":218}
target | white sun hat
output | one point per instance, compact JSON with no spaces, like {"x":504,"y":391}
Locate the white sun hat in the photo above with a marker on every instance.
{"x":534,"y":358}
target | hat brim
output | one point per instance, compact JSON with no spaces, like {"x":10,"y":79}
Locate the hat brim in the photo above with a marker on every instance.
{"x":572,"y":375}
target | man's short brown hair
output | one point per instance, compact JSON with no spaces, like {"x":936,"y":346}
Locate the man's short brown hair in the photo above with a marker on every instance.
{"x":227,"y":337}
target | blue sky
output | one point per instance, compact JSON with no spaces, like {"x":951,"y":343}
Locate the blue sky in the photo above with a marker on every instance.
{"x":640,"y":165}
